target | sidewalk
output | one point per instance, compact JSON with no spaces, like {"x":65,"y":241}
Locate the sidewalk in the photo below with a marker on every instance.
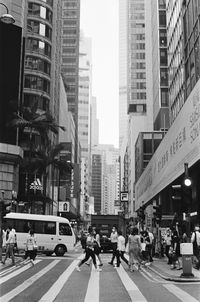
{"x":160,"y":267}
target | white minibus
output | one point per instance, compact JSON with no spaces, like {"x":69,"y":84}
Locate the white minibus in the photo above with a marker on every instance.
{"x":54,"y":234}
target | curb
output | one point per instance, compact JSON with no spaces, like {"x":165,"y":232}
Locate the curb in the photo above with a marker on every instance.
{"x":173,"y":278}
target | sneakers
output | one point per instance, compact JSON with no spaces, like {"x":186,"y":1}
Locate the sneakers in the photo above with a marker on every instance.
{"x":101,"y":264}
{"x":78,"y":269}
{"x":98,"y":269}
{"x":110,"y":263}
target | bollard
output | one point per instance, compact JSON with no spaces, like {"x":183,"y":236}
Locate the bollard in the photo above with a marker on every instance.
{"x":186,"y":250}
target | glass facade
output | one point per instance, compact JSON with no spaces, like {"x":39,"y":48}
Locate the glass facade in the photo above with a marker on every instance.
{"x":136,"y":58}
{"x":184,"y":64}
{"x":70,"y":52}
{"x":38,"y":46}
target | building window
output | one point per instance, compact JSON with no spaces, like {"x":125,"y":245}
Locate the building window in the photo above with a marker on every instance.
{"x":36,"y":82}
{"x":34,"y":63}
{"x":38,"y":46}
{"x":164,"y":97}
{"x":162,"y":18}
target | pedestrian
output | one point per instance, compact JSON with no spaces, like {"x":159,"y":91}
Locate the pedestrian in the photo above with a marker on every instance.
{"x":168,"y":242}
{"x":97,"y":245}
{"x":195,"y":239}
{"x":10,"y":242}
{"x":149,"y":244}
{"x":121,"y":249}
{"x":89,"y":250}
{"x":31,"y":247}
{"x":134,"y":243}
{"x":176,"y":248}
{"x":114,"y":240}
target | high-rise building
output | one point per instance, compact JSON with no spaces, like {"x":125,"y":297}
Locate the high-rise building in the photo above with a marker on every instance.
{"x":94,"y":128}
{"x":180,"y":146}
{"x":159,"y":66}
{"x":70,"y":55}
{"x":137,"y":30}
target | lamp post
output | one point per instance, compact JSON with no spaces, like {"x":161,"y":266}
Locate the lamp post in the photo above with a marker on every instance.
{"x":6,"y":18}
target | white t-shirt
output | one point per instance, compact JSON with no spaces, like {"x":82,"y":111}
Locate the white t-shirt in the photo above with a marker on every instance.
{"x":197,"y":236}
{"x":121,"y":243}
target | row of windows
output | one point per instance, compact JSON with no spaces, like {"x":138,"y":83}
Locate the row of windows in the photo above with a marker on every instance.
{"x":69,"y":41}
{"x":70,"y":4}
{"x":70,"y":22}
{"x":70,"y":13}
{"x":69,"y":50}
{"x":70,"y":31}
{"x":41,"y":101}
{"x":39,"y":28}
{"x":34,"y":63}
{"x":40,"y":227}
{"x":138,"y":95}
{"x":36,"y":82}
{"x":38,"y":46}
{"x":40,"y":11}
{"x":137,"y":108}
{"x":49,"y":2}
{"x":69,"y":60}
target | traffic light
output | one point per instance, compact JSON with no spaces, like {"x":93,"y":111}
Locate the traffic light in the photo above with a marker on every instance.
{"x":187,"y":180}
{"x":157,"y":213}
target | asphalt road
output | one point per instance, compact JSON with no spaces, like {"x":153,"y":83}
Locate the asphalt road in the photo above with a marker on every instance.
{"x":56,"y":279}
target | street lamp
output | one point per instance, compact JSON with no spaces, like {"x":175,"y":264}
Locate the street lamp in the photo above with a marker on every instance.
{"x":6,"y":18}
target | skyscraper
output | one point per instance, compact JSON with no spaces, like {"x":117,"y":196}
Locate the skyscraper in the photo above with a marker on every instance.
{"x":70,"y":55}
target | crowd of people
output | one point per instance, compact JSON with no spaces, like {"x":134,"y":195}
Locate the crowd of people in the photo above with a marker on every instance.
{"x":139,"y":245}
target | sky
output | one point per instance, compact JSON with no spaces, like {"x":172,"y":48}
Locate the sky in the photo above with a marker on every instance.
{"x":99,"y":20}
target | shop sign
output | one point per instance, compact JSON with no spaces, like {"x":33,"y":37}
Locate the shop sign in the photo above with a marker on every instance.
{"x":180,"y":145}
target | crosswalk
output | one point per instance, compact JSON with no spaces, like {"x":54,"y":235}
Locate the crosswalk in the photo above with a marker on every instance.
{"x":57,"y":280}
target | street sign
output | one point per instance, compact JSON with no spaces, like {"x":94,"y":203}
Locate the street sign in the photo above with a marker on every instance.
{"x":124,"y":196}
{"x":63,"y":206}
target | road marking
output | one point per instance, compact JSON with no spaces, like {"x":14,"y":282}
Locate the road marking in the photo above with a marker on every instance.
{"x":58,"y":285}
{"x":16,"y":272}
{"x":10,"y":295}
{"x":179,"y":293}
{"x":92,"y":293}
{"x":133,"y":291}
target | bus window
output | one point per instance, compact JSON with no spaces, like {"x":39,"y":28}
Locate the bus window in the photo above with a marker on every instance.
{"x":22,"y":226}
{"x":50,"y":228}
{"x":64,"y":229}
{"x":39,"y":227}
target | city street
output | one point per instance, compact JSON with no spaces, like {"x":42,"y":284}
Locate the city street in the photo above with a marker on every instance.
{"x":56,"y":279}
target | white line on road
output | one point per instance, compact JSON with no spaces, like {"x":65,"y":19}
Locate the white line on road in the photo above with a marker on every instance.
{"x":133,"y":291}
{"x":179,"y":293}
{"x":58,"y":285}
{"x":16,"y":272}
{"x":92,"y":293}
{"x":10,"y":295}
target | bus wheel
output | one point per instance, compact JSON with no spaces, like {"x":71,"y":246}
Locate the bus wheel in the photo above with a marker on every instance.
{"x":60,"y":250}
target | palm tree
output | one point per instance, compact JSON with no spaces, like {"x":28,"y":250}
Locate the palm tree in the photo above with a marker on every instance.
{"x":42,"y":155}
{"x":48,"y":156}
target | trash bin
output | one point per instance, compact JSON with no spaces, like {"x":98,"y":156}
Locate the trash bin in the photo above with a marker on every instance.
{"x":186,"y":250}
